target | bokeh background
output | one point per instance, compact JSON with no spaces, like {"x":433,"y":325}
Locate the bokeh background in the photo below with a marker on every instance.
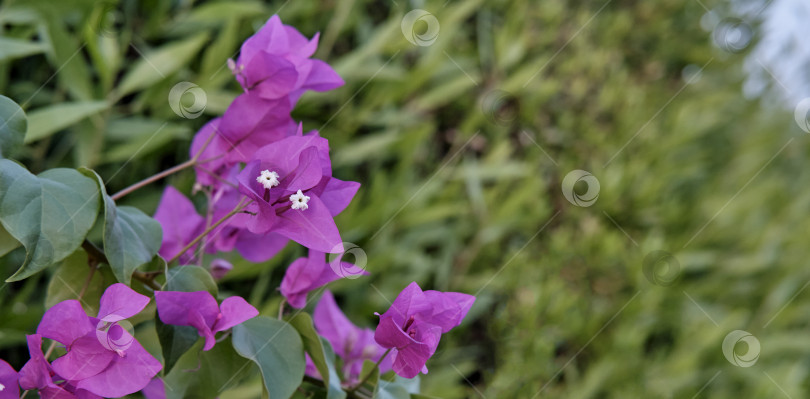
{"x":681,"y":110}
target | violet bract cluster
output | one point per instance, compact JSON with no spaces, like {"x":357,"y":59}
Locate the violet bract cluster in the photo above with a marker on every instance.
{"x":266,"y":183}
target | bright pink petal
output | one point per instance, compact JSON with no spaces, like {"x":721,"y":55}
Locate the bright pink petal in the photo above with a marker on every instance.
{"x":259,"y":247}
{"x":65,"y":322}
{"x":338,"y":194}
{"x":180,"y":222}
{"x":125,"y":375}
{"x":156,"y":389}
{"x":409,"y":302}
{"x":197,"y":309}
{"x":234,"y":310}
{"x":85,"y":358}
{"x":449,"y":308}
{"x":35,"y":374}
{"x":9,"y":378}
{"x":120,"y":302}
{"x":313,"y":228}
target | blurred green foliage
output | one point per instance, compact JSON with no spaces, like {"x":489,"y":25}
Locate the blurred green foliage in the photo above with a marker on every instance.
{"x":461,"y":147}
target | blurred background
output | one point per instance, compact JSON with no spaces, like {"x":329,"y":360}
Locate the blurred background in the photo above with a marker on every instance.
{"x":622,"y":183}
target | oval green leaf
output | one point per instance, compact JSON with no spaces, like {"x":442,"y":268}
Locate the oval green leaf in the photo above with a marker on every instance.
{"x":50,"y":214}
{"x":131,"y":238}
{"x":276,"y":348}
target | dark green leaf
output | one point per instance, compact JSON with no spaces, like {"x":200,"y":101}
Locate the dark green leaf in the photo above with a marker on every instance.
{"x":7,"y":242}
{"x":206,"y":374}
{"x":312,"y":343}
{"x":276,"y":348}
{"x":333,"y":389}
{"x":175,"y":341}
{"x":189,"y":279}
{"x":70,"y":278}
{"x":50,"y":214}
{"x":13,"y":124}
{"x":131,"y":238}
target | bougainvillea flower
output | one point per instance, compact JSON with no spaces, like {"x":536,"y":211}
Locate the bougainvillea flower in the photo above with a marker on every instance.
{"x":212,"y":158}
{"x":310,"y":273}
{"x":219,"y":268}
{"x":200,"y":310}
{"x":99,"y":351}
{"x":275,"y":63}
{"x":290,"y":204}
{"x":414,"y":323}
{"x":251,"y":122}
{"x":9,"y":389}
{"x":180,"y":222}
{"x":353,"y":344}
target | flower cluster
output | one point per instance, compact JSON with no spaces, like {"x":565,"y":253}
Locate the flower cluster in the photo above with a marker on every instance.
{"x":99,"y":350}
{"x":267,"y":183}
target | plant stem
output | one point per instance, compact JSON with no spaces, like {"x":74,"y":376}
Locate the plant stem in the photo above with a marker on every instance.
{"x":241,"y":205}
{"x":375,"y":369}
{"x":191,"y":162}
{"x":153,"y":178}
{"x":281,"y":308}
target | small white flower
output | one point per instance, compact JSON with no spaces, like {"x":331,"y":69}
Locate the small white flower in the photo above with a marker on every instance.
{"x":2,"y":387}
{"x":299,"y":201}
{"x":268,"y":179}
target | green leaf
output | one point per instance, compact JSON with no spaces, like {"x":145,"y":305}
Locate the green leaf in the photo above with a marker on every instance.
{"x":189,"y":279}
{"x":7,"y":242}
{"x":391,"y":390}
{"x":156,"y":65}
{"x":175,"y":341}
{"x":11,"y":48}
{"x":312,"y":343}
{"x":46,"y":121}
{"x":372,"y":382}
{"x":131,"y":238}
{"x":276,"y":348}
{"x":333,"y":388}
{"x":205,"y":374}
{"x":13,"y":124}
{"x":50,"y":214}
{"x":71,"y":277}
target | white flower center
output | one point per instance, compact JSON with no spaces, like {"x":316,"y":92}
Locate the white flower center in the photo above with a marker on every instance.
{"x":2,"y":387}
{"x":268,"y":179}
{"x":299,"y":201}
